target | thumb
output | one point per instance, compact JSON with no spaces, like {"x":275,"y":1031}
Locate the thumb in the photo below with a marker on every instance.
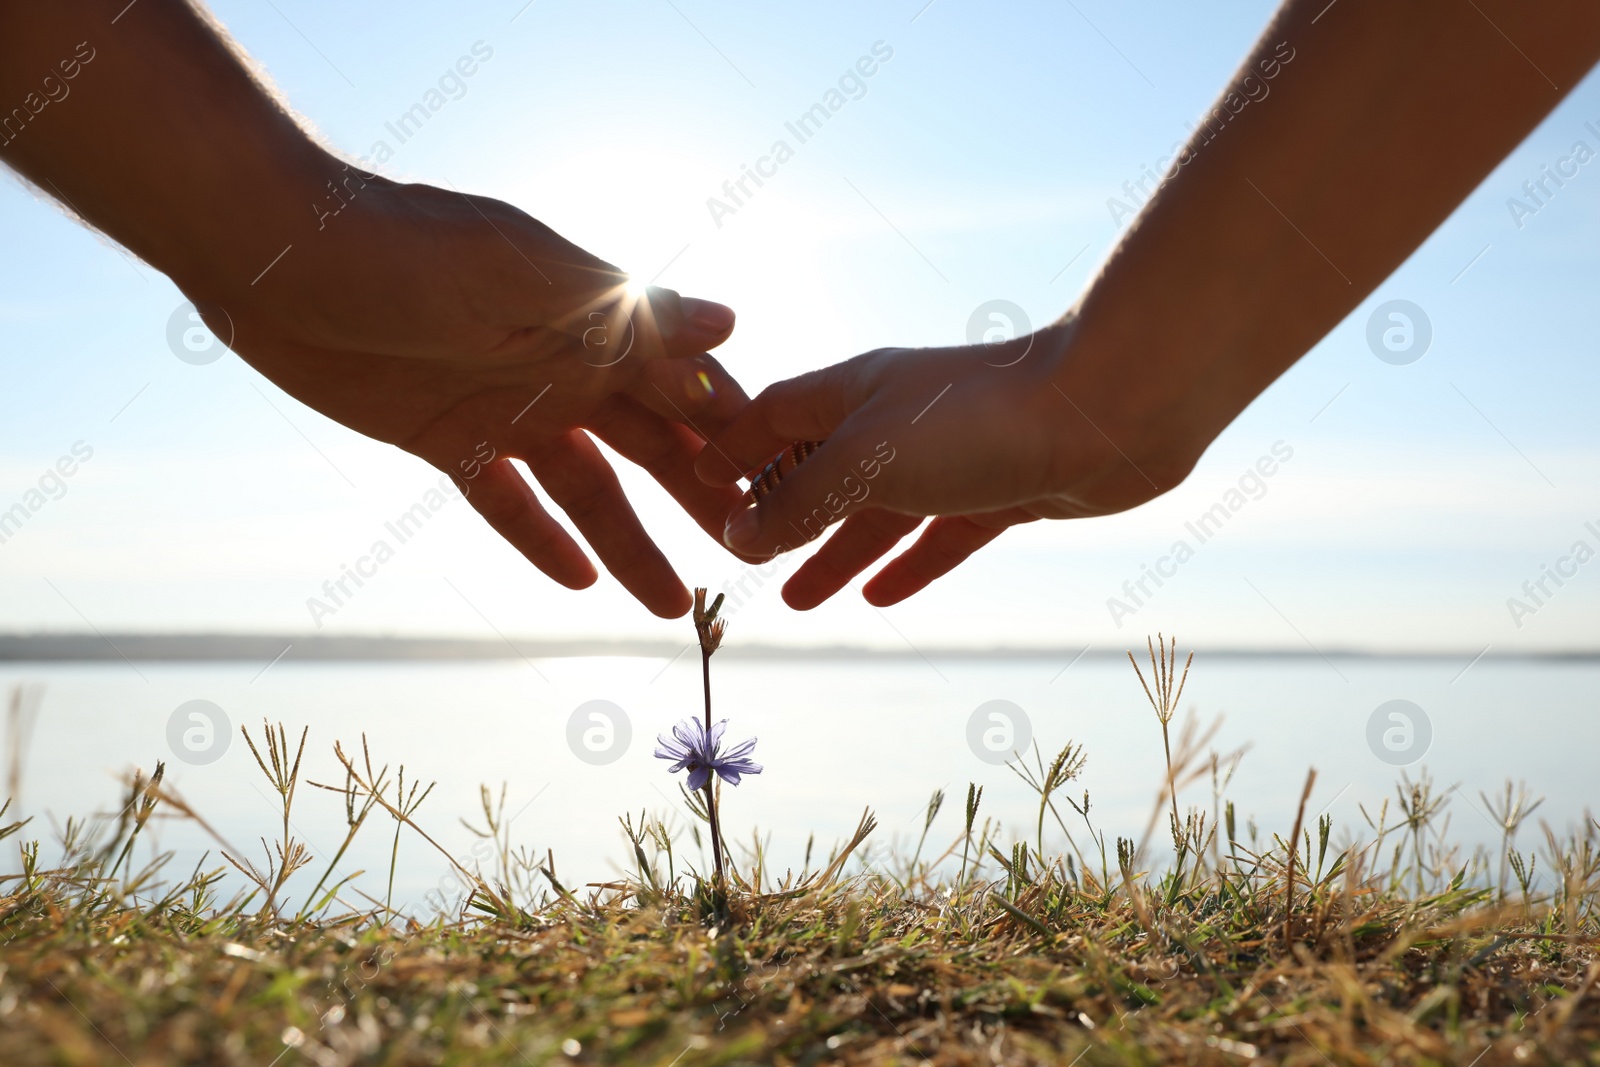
{"x":674,"y":325}
{"x":806,"y":408}
{"x":807,"y":489}
{"x":698,"y":326}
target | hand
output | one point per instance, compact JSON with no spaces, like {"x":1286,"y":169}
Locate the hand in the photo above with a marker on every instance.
{"x":982,"y":437}
{"x":453,"y":326}
{"x":468,"y":334}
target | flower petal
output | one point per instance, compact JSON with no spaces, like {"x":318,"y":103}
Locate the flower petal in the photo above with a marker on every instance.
{"x":698,"y":777}
{"x":729,"y":775}
{"x":743,"y":748}
{"x":689,"y":733}
{"x":667,"y":748}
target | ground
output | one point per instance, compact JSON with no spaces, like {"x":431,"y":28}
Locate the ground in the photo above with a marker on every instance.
{"x":1046,"y":963}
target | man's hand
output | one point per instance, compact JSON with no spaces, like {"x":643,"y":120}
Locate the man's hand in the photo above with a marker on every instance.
{"x":465,"y":332}
{"x":453,"y":326}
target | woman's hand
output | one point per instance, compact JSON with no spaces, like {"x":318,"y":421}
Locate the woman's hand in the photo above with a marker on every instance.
{"x":1253,"y":246}
{"x":981,"y":437}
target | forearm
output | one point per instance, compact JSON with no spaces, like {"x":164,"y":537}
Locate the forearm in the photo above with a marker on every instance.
{"x":152,"y":131}
{"x":1279,"y":219}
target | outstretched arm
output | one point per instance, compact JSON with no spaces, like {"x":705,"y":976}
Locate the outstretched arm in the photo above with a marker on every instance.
{"x":1345,"y":139}
{"x":451,"y":325}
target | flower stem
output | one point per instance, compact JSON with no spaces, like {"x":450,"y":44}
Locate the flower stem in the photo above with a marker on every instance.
{"x":1172,"y":781}
{"x":711,"y":784}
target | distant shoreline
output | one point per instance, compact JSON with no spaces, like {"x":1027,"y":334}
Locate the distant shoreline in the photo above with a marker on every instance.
{"x":248,"y":648}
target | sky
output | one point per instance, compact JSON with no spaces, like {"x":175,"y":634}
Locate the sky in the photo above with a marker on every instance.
{"x":1410,"y":504}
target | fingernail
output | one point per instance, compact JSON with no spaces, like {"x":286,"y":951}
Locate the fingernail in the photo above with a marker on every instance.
{"x":712,"y":318}
{"x":741,"y":529}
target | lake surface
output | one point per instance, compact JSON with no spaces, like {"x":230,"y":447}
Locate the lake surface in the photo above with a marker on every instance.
{"x":836,"y":736}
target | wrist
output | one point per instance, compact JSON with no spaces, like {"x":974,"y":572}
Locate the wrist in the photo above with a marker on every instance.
{"x":244,"y":210}
{"x":1124,"y":401}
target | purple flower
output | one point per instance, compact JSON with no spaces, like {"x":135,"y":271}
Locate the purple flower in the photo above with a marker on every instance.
{"x":690,"y":746}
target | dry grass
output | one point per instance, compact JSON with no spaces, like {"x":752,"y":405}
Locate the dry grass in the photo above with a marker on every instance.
{"x":1393,"y":948}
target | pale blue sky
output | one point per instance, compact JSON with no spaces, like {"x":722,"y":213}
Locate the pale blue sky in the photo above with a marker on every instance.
{"x":1413,"y":506}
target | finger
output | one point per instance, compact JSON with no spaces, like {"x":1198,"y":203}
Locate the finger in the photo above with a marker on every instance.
{"x":807,"y":408}
{"x":666,"y":324}
{"x":688,"y":325}
{"x":618,"y":322}
{"x":666,"y":450}
{"x":695,"y":391}
{"x":834,"y":482}
{"x":578,"y":478}
{"x":856,"y":545}
{"x":945,"y":544}
{"x":509,"y":505}
{"x":566,"y":282}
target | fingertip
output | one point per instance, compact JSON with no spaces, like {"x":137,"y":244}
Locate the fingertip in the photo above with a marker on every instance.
{"x":794,"y":595}
{"x":681,"y":326}
{"x":876,"y":594}
{"x":713,"y":467}
{"x":893,"y":583}
{"x":708,"y":315}
{"x":575,"y":576}
{"x":743,"y":531}
{"x":673,"y":606}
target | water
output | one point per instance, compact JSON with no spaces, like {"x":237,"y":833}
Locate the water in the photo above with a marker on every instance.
{"x":836,"y":737}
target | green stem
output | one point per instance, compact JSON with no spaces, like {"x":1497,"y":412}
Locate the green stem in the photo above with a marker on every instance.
{"x":711,"y":791}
